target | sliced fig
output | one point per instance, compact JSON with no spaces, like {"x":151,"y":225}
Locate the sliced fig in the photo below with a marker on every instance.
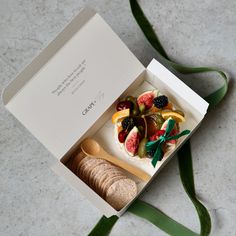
{"x":132,"y":141}
{"x":146,"y":99}
{"x":164,"y":125}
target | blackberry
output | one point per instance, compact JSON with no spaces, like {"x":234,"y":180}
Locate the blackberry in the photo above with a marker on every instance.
{"x":160,"y":101}
{"x":151,"y":153}
{"x":128,"y":123}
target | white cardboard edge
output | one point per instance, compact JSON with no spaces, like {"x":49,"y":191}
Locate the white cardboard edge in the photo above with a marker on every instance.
{"x":169,"y":78}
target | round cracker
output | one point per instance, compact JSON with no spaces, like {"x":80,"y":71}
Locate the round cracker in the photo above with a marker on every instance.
{"x":82,"y":167}
{"x":121,"y":192}
{"x":79,"y":170}
{"x":94,"y":170}
{"x":110,"y":174}
{"x":76,"y":161}
{"x":110,"y":179}
{"x":81,"y":163}
{"x":88,"y":167}
{"x":102,"y":177}
{"x":98,"y":174}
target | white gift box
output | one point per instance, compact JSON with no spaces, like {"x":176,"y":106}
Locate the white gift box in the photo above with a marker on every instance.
{"x":70,"y":90}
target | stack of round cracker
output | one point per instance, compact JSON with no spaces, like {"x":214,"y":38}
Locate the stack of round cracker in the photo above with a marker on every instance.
{"x":108,"y":180}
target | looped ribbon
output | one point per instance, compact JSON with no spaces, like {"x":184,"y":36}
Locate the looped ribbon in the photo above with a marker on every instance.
{"x":157,"y":145}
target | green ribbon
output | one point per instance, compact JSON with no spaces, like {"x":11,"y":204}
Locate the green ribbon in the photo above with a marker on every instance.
{"x":142,"y":209}
{"x":104,"y":226}
{"x":157,"y":145}
{"x":159,"y":219}
{"x":186,"y":175}
{"x":214,"y":98}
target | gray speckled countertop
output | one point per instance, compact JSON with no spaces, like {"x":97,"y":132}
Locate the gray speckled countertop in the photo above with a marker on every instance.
{"x":34,"y":201}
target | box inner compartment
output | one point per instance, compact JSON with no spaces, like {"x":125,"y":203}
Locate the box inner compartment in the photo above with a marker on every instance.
{"x":105,"y":133}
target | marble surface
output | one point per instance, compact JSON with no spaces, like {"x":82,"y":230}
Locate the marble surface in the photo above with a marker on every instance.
{"x":34,"y":201}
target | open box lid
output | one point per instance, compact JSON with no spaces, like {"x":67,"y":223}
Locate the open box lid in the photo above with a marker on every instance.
{"x":62,"y":93}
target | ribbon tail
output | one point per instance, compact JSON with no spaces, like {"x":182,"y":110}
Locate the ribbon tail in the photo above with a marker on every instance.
{"x":158,"y":155}
{"x":152,"y":145}
{"x":185,"y":132}
{"x":104,"y":226}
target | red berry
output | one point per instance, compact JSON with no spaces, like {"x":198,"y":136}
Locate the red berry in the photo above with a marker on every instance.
{"x":124,"y":105}
{"x":173,"y":132}
{"x":157,"y":134}
{"x":122,"y":136}
{"x":153,"y":137}
{"x":160,"y":132}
